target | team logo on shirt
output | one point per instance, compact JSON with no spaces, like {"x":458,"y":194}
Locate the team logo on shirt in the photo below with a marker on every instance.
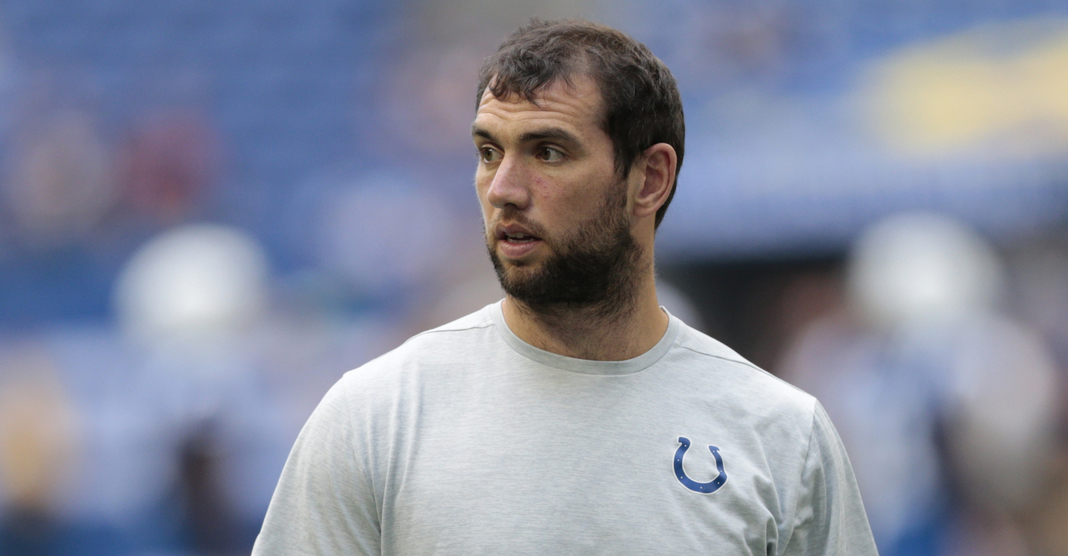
{"x":704,"y":488}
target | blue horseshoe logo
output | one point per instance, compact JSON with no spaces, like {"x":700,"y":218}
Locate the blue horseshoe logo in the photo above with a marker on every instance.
{"x":704,"y":488}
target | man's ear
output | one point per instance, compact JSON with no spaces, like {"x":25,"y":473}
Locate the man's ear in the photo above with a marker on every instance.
{"x":658,"y":164}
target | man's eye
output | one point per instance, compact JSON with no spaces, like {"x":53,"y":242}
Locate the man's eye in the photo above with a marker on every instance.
{"x":488,"y":154}
{"x":549,"y":154}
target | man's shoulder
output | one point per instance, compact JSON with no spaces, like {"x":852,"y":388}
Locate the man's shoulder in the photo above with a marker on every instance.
{"x":480,"y":319}
{"x":448,"y":342}
{"x":736,"y":372}
{"x":701,"y":344}
{"x":459,"y":334}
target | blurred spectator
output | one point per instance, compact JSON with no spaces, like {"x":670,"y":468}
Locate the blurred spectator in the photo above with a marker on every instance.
{"x":61,"y":183}
{"x":170,"y":163}
{"x":56,"y":191}
{"x":41,"y":449}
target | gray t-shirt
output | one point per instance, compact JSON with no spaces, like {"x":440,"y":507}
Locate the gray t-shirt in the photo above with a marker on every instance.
{"x":466,"y":440}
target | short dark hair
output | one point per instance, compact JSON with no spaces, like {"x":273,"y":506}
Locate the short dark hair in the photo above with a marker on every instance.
{"x":642,"y":106}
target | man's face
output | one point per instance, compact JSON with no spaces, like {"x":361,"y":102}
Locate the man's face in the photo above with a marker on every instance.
{"x":555,"y":209}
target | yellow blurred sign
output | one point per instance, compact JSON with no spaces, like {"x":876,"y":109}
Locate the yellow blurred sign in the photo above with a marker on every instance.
{"x":999,"y":89}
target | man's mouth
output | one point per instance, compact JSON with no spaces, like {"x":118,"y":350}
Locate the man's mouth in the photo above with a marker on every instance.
{"x":519,"y":238}
{"x":517,"y":232}
{"x":516,"y":242}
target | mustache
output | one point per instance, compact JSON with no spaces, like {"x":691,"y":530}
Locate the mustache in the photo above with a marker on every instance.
{"x":514,"y":217}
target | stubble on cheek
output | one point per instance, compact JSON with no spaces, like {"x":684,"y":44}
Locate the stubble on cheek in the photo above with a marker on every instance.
{"x":595,"y":266}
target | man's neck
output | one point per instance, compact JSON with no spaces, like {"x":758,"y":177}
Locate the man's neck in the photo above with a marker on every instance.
{"x":590,"y":333}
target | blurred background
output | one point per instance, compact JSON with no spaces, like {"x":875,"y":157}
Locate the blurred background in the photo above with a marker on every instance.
{"x":209,"y":210}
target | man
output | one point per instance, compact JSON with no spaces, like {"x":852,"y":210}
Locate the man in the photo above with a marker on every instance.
{"x":576,"y":416}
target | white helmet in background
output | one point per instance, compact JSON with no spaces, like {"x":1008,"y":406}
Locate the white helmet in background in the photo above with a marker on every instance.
{"x":193,"y":284}
{"x":916,"y":268}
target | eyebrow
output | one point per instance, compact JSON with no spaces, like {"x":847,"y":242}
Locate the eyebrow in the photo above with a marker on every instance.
{"x":479,"y":132}
{"x":552,"y":133}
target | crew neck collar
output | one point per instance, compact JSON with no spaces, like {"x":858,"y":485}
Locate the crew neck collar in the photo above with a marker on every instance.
{"x":585,"y":366}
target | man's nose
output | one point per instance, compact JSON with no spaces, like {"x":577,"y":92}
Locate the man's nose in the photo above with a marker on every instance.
{"x":509,"y":185}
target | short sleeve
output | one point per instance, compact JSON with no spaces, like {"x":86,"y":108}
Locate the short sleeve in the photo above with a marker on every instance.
{"x":323,"y":503}
{"x":830,"y":518}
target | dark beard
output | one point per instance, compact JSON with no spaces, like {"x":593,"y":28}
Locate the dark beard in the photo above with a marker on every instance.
{"x":595,"y":267}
